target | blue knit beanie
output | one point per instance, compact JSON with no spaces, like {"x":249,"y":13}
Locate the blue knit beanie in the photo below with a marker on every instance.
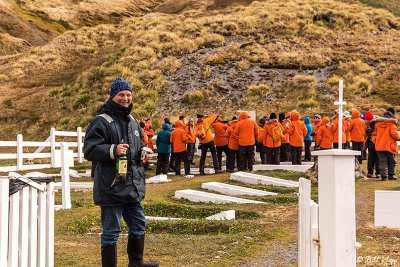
{"x":119,"y":85}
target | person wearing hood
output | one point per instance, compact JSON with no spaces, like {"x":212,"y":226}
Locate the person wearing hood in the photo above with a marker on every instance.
{"x":220,"y":140}
{"x":273,"y":136}
{"x":308,"y":139}
{"x":233,"y":147}
{"x":163,"y":144}
{"x":260,"y":147}
{"x":179,"y":138}
{"x":191,"y":143}
{"x":297,"y":131}
{"x":206,"y":140}
{"x":317,"y":124}
{"x":148,"y":130}
{"x":247,"y":133}
{"x":386,"y":135}
{"x":324,"y":138}
{"x":357,"y":133}
{"x":285,"y":147}
{"x":372,"y":160}
{"x":335,"y":131}
{"x":119,"y":183}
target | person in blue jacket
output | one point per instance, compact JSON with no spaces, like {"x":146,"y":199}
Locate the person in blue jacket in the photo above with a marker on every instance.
{"x":163,"y":149}
{"x":308,"y":139}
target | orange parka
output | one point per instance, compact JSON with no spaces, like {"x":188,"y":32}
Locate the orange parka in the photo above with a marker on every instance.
{"x":357,"y":127}
{"x":233,"y":143}
{"x":285,"y":125}
{"x":179,"y":137}
{"x":220,"y":128}
{"x":297,"y":130}
{"x":386,"y":135}
{"x":203,"y":129}
{"x":246,"y":130}
{"x":150,"y":133}
{"x":268,"y":134}
{"x":324,"y":138}
{"x":191,"y":133}
{"x":335,"y":130}
{"x":347,"y":123}
{"x":317,"y":124}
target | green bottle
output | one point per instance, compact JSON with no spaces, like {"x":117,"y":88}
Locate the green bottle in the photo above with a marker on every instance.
{"x":122,"y":166}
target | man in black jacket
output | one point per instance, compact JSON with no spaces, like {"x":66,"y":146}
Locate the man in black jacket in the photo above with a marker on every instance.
{"x":112,"y":134}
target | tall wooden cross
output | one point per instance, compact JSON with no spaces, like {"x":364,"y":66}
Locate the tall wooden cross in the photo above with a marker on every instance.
{"x":340,"y":103}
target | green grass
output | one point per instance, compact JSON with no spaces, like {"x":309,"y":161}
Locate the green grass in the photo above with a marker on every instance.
{"x":390,"y":5}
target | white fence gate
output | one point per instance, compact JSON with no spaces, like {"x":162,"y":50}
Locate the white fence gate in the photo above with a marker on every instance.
{"x":308,"y":227}
{"x":27,"y":224}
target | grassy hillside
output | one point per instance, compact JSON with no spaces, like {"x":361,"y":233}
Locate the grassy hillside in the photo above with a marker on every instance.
{"x":267,"y":55}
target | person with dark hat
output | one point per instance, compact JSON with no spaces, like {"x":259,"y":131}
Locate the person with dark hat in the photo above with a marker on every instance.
{"x":113,"y":142}
{"x":372,"y":160}
{"x":233,"y":146}
{"x":260,"y":142}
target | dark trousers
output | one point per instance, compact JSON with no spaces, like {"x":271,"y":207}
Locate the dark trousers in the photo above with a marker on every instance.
{"x":232,"y":159}
{"x":285,"y":152}
{"x":373,"y":161}
{"x":246,"y":158}
{"x":263,"y":156}
{"x":172,"y":162}
{"x":307,"y":150}
{"x":162,"y":163}
{"x":358,"y":146}
{"x":204,"y":150}
{"x":273,"y":155}
{"x":221,"y":149}
{"x":296,"y":154}
{"x":336,"y":145}
{"x":181,"y":156}
{"x":190,"y":147}
{"x":387,"y":163}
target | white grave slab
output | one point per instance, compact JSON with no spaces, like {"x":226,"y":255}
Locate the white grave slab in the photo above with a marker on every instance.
{"x":162,"y":178}
{"x":252,"y":178}
{"x":38,"y":174}
{"x":303,"y":163}
{"x":197,"y":170}
{"x":297,"y":168}
{"x":387,"y":208}
{"x":225,"y":215}
{"x":199,"y":196}
{"x":75,"y":185}
{"x":234,"y":190}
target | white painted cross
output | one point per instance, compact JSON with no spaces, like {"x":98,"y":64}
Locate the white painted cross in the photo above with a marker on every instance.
{"x":340,"y":103}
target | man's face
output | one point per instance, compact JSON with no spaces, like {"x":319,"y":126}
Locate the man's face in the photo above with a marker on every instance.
{"x":123,"y":98}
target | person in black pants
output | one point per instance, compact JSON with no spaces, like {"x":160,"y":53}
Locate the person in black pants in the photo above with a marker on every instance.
{"x":246,"y":158}
{"x":163,"y":149}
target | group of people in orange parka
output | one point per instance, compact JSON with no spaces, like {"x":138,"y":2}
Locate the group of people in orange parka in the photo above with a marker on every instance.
{"x":277,"y":139}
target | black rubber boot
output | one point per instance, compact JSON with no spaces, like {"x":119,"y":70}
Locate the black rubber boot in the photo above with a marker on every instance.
{"x":135,"y":252}
{"x":109,"y":256}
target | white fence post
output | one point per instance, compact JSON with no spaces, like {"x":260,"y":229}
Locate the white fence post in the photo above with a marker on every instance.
{"x":66,"y":190}
{"x":336,"y":199}
{"x":53,"y":146}
{"x":4,"y":189}
{"x":314,"y":253}
{"x":33,"y":223}
{"x":50,"y":226}
{"x":23,"y":226}
{"x":41,"y":254}
{"x":304,"y":223}
{"x":80,"y":144}
{"x":13,"y":230}
{"x":20,"y":151}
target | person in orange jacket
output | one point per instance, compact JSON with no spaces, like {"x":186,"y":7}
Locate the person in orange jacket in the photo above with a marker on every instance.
{"x":204,"y":134}
{"x":347,"y":122}
{"x":179,"y":138}
{"x":191,"y":143}
{"x":297,"y":131}
{"x":324,"y":138}
{"x":149,"y":132}
{"x":145,"y":139}
{"x":273,"y":136}
{"x":357,"y":130}
{"x":233,"y":147}
{"x":260,"y":147}
{"x":372,"y":160}
{"x":247,"y":133}
{"x":284,"y":120}
{"x":335,"y":131}
{"x":386,"y":135}
{"x":317,"y":124}
{"x":220,"y":140}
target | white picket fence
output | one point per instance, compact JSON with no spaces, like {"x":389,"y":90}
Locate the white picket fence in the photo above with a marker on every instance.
{"x":27,"y":224}
{"x":308,"y":227}
{"x":54,"y":155}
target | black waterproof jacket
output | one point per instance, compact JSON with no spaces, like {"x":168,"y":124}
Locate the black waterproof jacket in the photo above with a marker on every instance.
{"x":112,"y":126}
